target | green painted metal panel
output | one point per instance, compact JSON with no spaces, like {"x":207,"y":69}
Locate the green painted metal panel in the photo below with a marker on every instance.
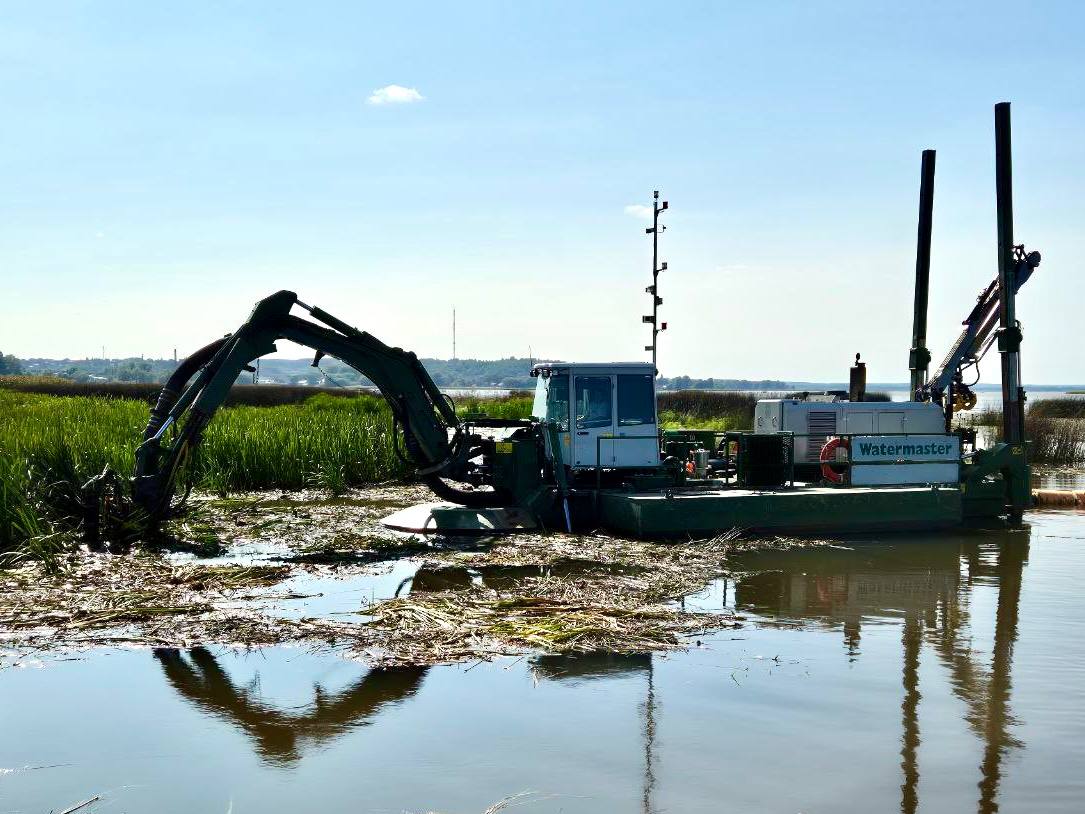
{"x":677,"y":512}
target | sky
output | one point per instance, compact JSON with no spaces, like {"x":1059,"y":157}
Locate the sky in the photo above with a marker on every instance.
{"x":164,"y":166}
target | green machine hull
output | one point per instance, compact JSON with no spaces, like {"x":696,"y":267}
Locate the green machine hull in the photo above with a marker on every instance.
{"x":664,"y":503}
{"x":697,"y":512}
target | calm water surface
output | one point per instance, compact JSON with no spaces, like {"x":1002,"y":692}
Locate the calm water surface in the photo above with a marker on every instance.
{"x":934,"y":674}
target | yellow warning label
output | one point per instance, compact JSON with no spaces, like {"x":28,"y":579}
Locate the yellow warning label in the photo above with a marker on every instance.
{"x":503,"y":447}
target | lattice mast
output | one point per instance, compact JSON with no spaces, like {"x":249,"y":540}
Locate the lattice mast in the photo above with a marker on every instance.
{"x":653,"y":290}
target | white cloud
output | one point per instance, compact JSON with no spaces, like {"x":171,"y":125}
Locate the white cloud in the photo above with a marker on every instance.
{"x":639,"y":211}
{"x":394,"y":95}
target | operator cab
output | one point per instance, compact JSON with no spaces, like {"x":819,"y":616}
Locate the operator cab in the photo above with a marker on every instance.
{"x":605,"y":413}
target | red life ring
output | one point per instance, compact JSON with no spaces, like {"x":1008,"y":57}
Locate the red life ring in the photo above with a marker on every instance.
{"x":828,"y":454}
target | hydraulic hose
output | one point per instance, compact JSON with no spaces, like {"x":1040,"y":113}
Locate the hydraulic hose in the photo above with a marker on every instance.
{"x":472,"y":499}
{"x":173,"y":387}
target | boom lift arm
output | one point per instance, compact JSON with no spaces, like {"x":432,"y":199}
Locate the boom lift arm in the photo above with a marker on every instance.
{"x":946,"y":383}
{"x":438,"y":443}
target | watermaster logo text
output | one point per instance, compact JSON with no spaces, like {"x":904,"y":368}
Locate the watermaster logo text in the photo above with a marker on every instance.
{"x":870,"y":449}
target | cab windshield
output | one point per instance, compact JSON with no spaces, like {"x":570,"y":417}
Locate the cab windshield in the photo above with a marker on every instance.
{"x":552,"y":400}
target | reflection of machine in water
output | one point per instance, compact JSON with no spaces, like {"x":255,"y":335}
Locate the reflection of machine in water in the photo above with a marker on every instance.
{"x":589,"y":666}
{"x":929,"y":586}
{"x":840,"y":586}
{"x":276,"y":733}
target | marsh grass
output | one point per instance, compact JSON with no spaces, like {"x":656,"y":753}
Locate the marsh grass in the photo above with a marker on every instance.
{"x":1071,"y":408}
{"x":1055,"y":429}
{"x":263,"y":395}
{"x":51,"y":445}
{"x":1055,"y":440}
{"x":514,"y":405}
{"x":706,"y":409}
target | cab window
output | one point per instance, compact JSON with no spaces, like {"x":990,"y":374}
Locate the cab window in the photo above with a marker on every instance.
{"x":538,"y":406}
{"x":557,"y":401}
{"x":594,"y":407}
{"x":636,"y":400}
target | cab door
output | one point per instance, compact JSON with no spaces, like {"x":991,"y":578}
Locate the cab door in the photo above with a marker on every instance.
{"x":593,"y":420}
{"x":636,"y":421}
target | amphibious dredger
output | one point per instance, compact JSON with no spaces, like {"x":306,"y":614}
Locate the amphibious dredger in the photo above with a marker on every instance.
{"x":592,"y":455}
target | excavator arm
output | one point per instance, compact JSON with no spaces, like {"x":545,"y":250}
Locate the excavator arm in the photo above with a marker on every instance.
{"x":438,"y":443}
{"x":979,"y":330}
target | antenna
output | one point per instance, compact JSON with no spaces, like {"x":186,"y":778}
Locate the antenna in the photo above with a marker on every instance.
{"x":653,"y":318}
{"x":453,"y":333}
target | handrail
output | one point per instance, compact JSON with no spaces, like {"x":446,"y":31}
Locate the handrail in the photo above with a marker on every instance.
{"x":847,"y":463}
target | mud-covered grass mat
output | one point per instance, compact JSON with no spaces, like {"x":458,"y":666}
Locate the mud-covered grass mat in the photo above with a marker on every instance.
{"x":524,"y":593}
{"x":104,"y":599}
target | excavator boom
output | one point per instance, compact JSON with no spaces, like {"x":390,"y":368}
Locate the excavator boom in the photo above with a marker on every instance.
{"x":437,"y":442}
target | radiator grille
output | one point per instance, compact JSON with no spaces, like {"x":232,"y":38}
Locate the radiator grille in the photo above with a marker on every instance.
{"x":820,"y":424}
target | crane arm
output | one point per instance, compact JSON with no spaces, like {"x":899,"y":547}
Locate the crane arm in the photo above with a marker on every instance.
{"x":434,"y":437}
{"x":979,"y":327}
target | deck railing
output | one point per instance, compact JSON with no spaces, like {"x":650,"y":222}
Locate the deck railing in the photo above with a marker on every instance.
{"x":725,"y":440}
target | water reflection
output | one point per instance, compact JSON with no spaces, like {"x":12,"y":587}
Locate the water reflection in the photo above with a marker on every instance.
{"x":927,"y":585}
{"x":276,"y":733}
{"x":601,"y":665}
{"x":926,"y":589}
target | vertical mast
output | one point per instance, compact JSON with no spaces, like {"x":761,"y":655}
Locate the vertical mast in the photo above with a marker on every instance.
{"x":920,"y":357}
{"x":1009,"y":333}
{"x":653,"y":289}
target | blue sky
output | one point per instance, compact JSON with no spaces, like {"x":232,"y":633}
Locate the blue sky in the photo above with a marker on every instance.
{"x":163,"y":168}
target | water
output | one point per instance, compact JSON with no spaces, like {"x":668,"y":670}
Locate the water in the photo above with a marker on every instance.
{"x":986,"y":399}
{"x":992,"y":399}
{"x":934,"y":674}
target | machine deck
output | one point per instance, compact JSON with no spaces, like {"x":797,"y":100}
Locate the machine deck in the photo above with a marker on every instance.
{"x":677,"y":512}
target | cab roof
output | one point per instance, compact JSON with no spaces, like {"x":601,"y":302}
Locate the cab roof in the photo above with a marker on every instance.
{"x":552,"y":367}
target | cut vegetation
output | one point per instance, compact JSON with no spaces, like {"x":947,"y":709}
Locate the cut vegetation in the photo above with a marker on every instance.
{"x":553,"y":594}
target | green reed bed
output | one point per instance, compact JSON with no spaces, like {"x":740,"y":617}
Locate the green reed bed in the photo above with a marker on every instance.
{"x":328,"y":442}
{"x":262,"y":395}
{"x":1055,"y":429}
{"x":50,"y":445}
{"x":514,"y":405}
{"x":1072,"y":408}
{"x":718,"y":410}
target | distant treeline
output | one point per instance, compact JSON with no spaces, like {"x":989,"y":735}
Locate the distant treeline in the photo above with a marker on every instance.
{"x":240,"y":394}
{"x":513,"y":373}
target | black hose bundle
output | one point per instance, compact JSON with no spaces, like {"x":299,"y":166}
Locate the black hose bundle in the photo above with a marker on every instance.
{"x":175,"y":384}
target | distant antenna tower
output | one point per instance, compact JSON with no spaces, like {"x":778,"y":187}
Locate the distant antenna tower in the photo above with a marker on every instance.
{"x":453,"y":333}
{"x":653,"y":319}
